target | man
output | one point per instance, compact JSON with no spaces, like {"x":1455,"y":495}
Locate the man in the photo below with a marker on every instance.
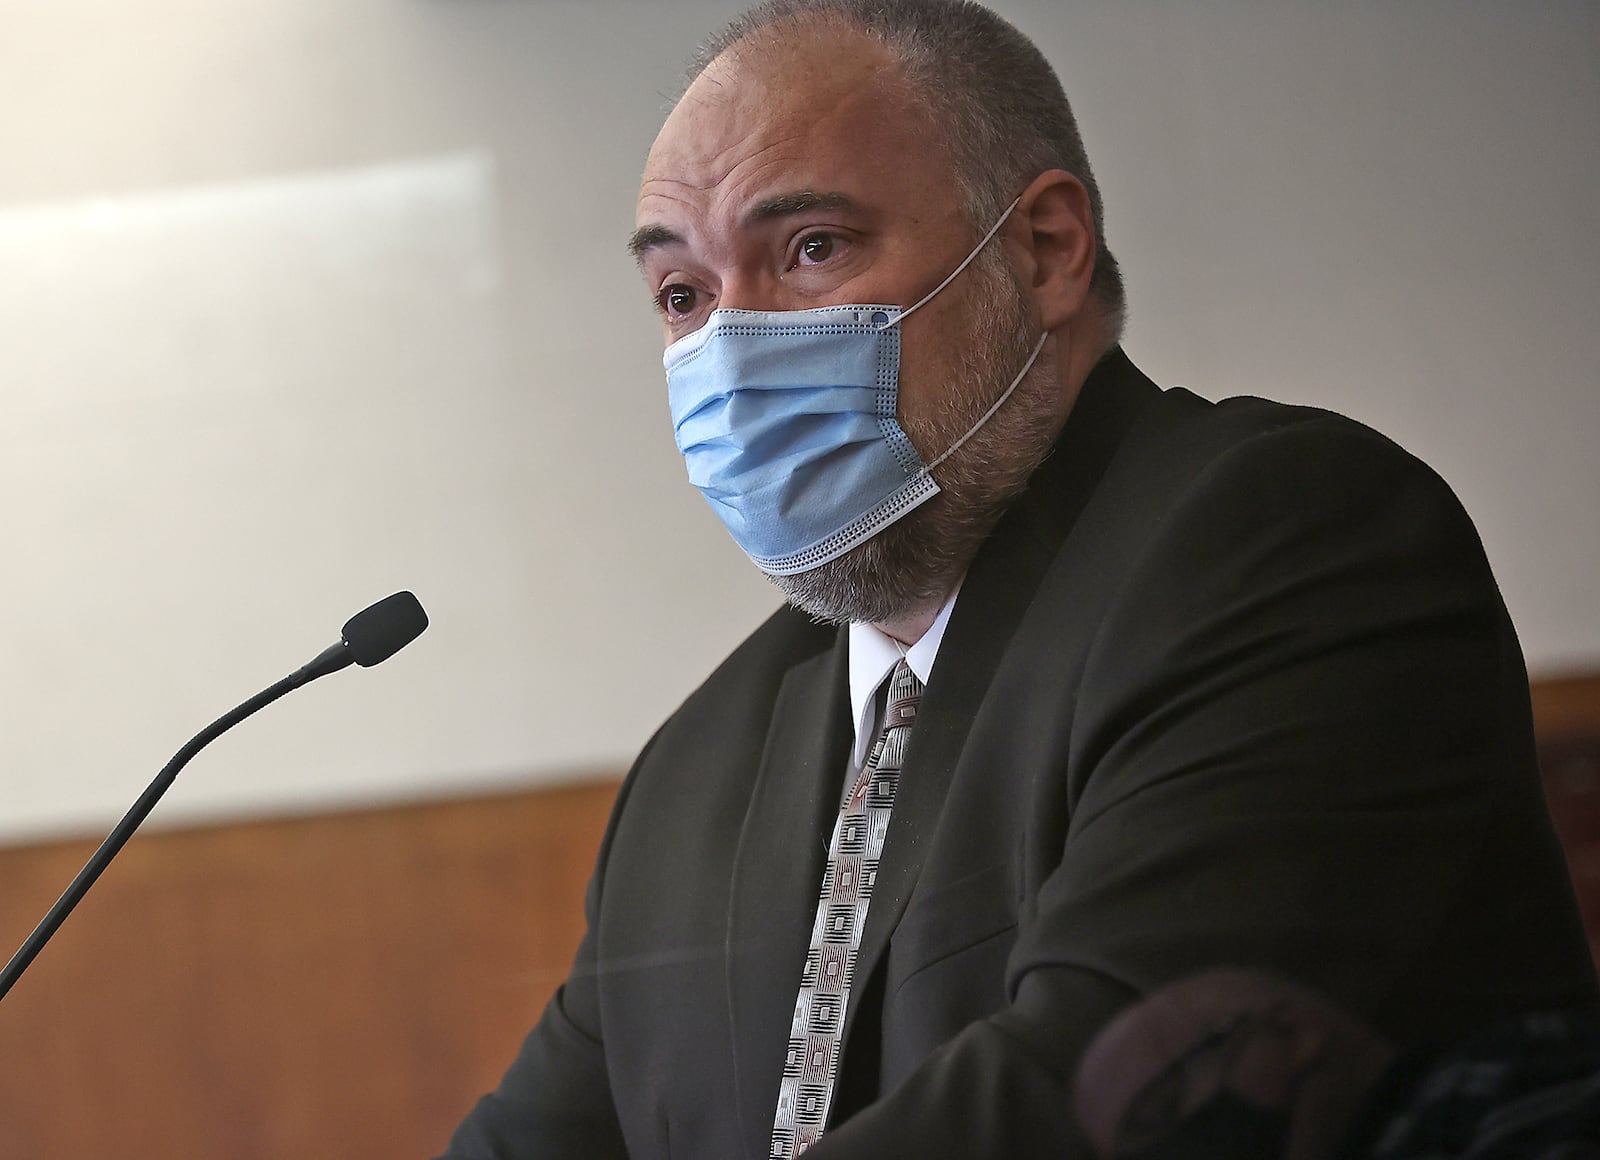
{"x":1128,"y":683}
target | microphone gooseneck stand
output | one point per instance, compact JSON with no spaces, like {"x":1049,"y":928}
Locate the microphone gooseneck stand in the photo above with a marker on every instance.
{"x":372,"y":635}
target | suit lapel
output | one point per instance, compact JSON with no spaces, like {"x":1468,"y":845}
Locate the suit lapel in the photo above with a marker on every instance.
{"x":998,"y":588}
{"x":777,"y":871}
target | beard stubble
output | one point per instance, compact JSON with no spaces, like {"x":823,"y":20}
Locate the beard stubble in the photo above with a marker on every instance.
{"x":913,"y":564}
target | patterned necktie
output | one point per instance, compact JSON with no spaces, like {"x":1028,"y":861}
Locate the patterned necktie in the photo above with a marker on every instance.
{"x":812,"y":1062}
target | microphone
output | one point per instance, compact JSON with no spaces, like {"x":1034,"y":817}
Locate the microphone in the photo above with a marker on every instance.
{"x":370,"y":637}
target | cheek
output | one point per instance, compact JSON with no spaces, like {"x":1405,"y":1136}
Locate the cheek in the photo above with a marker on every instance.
{"x":933,"y":348}
{"x":924,"y":379}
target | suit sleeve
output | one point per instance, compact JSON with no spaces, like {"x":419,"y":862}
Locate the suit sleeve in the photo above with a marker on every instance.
{"x":554,"y":1101}
{"x":1291,"y":734}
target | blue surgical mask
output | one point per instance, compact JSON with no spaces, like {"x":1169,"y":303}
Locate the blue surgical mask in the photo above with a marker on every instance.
{"x":787,"y":423}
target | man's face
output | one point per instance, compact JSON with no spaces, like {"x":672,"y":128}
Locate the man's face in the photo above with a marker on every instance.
{"x":803,"y":174}
{"x":799,"y":176}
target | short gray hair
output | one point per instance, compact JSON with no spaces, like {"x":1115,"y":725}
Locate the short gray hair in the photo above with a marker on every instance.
{"x":1005,"y":115}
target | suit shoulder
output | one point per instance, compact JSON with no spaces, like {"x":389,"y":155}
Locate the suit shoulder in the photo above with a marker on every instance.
{"x":757,"y":666}
{"x":1220,"y":493}
{"x":1287,"y":448}
{"x":1221,"y":425}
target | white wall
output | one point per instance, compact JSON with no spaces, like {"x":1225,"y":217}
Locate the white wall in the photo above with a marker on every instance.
{"x":303,"y":302}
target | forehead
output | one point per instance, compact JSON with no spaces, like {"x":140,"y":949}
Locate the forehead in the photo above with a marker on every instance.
{"x":804,"y":109}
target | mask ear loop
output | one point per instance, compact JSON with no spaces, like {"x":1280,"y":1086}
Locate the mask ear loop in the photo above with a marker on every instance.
{"x":976,"y":250}
{"x":989,"y":414}
{"x":1026,"y":367}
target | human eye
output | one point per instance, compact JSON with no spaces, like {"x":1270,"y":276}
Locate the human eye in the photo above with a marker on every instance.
{"x":817,"y":247}
{"x":677,"y":301}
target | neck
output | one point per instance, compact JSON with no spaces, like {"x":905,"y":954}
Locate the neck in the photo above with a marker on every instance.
{"x":1076,"y":357}
{"x":911,"y":627}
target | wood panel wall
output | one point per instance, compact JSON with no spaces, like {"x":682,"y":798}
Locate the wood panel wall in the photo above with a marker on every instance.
{"x":1566,"y":717}
{"x":346,"y":985}
{"x":338,"y":986}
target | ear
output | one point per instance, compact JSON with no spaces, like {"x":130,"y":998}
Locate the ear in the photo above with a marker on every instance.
{"x":1054,"y":227}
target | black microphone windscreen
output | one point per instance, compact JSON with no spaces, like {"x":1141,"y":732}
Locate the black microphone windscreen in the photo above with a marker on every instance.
{"x":375,"y":634}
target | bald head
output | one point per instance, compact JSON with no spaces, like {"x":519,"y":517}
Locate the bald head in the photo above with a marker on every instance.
{"x":988,"y":94}
{"x":825,"y":105}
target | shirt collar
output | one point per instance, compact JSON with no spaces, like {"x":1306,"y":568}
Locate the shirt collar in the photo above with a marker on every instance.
{"x":873,"y":655}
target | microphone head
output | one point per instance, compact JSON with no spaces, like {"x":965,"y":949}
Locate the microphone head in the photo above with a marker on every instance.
{"x":375,"y":634}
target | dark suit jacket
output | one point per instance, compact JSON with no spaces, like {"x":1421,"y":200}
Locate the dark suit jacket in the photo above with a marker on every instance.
{"x":1229,"y":684}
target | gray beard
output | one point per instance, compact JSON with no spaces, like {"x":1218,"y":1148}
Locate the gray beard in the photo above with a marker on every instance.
{"x":912,"y":565}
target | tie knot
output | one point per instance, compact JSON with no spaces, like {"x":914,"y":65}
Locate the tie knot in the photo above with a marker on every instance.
{"x":904,"y":692}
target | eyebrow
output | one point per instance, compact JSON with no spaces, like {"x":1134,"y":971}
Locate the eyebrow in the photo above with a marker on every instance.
{"x":801,"y":201}
{"x":647,"y":238}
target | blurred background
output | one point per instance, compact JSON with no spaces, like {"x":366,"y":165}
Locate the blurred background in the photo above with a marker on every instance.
{"x":305,"y":302}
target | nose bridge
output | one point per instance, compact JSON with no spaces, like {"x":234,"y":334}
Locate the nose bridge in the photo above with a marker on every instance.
{"x":747,"y":288}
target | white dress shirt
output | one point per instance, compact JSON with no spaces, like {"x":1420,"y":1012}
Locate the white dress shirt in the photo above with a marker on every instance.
{"x":873,"y":655}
